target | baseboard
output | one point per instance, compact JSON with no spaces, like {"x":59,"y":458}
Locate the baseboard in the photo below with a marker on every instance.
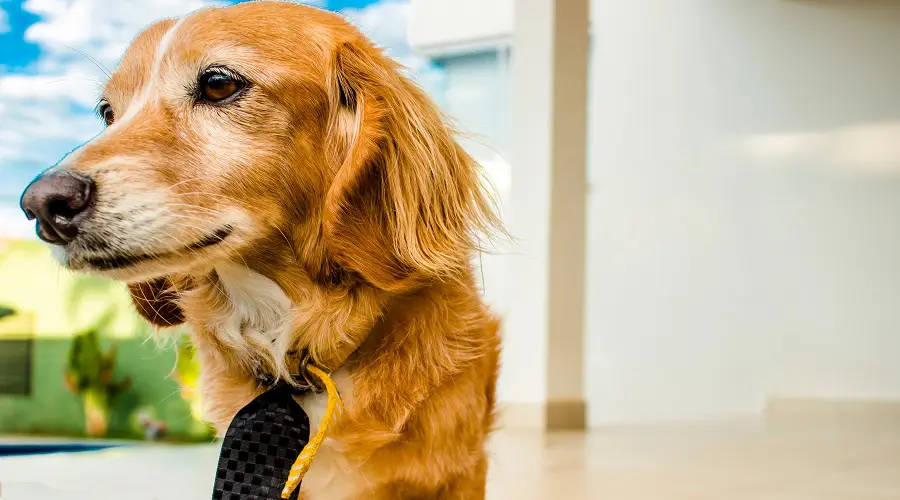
{"x":566,"y":415}
{"x":557,"y":415}
{"x":857,"y":414}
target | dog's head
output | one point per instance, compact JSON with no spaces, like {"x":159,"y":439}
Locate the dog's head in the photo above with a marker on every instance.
{"x":260,"y":130}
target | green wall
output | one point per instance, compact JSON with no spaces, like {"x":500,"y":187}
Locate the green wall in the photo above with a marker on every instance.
{"x":53,"y":305}
{"x":52,"y":410}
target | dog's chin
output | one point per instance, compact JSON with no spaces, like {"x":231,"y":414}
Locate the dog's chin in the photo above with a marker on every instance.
{"x":140,"y":264}
{"x":119,"y":267}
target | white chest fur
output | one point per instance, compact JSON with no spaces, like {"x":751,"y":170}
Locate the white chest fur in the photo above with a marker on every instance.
{"x":254,"y":318}
{"x":257,"y":324}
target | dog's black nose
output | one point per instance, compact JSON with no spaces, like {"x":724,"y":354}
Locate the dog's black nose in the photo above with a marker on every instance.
{"x":59,"y":202}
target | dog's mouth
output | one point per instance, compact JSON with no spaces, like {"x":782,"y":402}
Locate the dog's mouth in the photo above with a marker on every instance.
{"x":126,"y":260}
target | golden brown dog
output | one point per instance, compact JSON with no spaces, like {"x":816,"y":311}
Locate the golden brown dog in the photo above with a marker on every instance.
{"x":269,"y":177}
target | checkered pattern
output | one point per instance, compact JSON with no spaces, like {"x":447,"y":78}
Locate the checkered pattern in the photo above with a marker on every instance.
{"x":260,"y":446}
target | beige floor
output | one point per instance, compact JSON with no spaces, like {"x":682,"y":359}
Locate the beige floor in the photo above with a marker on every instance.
{"x":712,"y":463}
{"x":699,"y":463}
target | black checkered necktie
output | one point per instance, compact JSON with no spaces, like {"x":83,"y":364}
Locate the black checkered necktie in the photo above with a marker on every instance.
{"x":260,"y":446}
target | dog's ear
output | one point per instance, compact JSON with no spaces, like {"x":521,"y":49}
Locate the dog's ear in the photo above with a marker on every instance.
{"x":157,"y":301}
{"x":407,"y":200}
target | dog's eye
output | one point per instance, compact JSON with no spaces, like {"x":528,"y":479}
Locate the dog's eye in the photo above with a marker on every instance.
{"x":218,"y":85}
{"x":106,"y":113}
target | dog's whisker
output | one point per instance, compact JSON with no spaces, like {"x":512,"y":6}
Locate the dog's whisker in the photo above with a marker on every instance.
{"x":211,"y":195}
{"x":187,"y":180}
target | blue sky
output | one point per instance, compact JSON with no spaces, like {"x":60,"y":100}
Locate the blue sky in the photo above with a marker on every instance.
{"x":48,"y":88}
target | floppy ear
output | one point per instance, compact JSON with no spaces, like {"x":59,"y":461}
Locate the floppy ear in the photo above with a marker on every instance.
{"x":156,"y":301}
{"x":407,"y":199}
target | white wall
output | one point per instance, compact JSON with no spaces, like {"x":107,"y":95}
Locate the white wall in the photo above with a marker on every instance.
{"x":441,"y":27}
{"x":476,"y":97}
{"x":745,"y":205}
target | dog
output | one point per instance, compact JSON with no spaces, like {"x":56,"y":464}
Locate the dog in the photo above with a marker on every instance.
{"x":270,"y":178}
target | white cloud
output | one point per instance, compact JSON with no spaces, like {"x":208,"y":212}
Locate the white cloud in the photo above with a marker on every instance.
{"x":75,"y":85}
{"x":384,"y":22}
{"x":101,"y":28}
{"x":4,"y":21}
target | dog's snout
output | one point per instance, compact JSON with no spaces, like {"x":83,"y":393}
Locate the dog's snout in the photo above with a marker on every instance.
{"x":59,"y":202}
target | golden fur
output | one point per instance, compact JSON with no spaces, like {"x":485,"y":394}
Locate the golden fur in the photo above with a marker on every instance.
{"x":350,"y":216}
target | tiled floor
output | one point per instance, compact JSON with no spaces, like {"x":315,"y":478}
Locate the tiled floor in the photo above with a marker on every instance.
{"x":708,"y":463}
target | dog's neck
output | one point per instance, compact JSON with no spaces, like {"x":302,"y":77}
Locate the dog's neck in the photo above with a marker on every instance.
{"x":245,"y":322}
{"x":261,"y":322}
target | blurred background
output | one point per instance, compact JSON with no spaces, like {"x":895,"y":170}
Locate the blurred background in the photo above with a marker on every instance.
{"x":703,"y":299}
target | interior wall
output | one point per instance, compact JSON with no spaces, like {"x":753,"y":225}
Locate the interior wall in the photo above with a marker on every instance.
{"x":476,"y":97}
{"x":744,"y":207}
{"x":442,"y":27}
